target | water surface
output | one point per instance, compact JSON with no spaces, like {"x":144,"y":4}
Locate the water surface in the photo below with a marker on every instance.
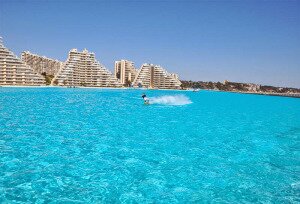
{"x":104,"y":145}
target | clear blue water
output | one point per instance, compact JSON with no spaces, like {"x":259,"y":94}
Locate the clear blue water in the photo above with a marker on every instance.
{"x":104,"y":146}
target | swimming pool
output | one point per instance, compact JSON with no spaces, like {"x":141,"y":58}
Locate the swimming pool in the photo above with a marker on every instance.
{"x":104,"y":145}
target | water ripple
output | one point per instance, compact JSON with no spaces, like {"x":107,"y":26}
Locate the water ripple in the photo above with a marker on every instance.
{"x":105,"y":146}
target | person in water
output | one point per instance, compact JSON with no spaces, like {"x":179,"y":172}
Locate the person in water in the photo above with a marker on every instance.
{"x":146,"y":100}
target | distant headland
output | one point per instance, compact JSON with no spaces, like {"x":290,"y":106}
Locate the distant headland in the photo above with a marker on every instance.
{"x":242,"y":88}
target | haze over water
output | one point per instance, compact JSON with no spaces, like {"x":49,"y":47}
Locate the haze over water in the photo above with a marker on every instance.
{"x":105,"y":145}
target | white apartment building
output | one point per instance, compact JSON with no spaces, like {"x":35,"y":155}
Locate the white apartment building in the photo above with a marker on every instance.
{"x":13,"y":71}
{"x":41,"y":64}
{"x":82,"y":69}
{"x":125,"y":71}
{"x":156,"y":77}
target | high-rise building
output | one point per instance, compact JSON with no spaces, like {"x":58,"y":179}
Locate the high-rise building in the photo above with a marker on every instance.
{"x":154,"y":76}
{"x":13,"y":71}
{"x":41,"y":64}
{"x":125,"y":71}
{"x":82,"y":69}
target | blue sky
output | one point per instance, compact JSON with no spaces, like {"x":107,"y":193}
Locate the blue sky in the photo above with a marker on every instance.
{"x":245,"y":41}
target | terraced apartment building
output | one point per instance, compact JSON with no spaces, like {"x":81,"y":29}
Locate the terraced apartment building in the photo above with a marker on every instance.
{"x":41,"y":64}
{"x":82,"y":69}
{"x":125,"y":72}
{"x":156,"y":77}
{"x":13,"y":71}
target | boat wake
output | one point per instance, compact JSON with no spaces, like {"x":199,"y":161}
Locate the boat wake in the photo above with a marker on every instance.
{"x":175,"y":100}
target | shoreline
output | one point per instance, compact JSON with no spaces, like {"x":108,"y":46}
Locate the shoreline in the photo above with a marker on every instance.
{"x":90,"y":87}
{"x":292,"y":95}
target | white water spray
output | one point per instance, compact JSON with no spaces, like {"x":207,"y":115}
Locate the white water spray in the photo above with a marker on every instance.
{"x":175,"y":100}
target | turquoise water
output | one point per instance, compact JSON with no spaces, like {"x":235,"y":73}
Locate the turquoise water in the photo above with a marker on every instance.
{"x":104,"y":146}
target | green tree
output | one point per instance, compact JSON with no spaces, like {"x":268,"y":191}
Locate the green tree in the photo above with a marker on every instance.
{"x":128,"y":83}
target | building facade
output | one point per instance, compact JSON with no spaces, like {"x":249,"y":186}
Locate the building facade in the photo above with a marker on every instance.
{"x":41,"y":64}
{"x":82,"y":69}
{"x":156,"y":77}
{"x":13,"y":71}
{"x":125,"y":71}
